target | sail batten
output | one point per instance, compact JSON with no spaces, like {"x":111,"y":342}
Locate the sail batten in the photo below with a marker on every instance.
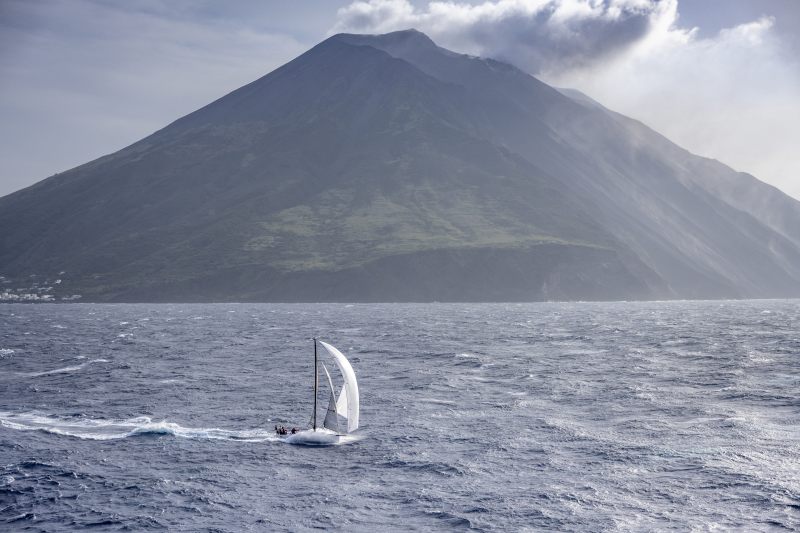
{"x":348,"y":402}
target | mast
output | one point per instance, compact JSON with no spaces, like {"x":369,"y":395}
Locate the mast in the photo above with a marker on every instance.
{"x":316,"y":384}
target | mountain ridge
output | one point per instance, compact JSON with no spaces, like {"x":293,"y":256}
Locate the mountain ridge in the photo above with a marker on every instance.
{"x":384,"y":168}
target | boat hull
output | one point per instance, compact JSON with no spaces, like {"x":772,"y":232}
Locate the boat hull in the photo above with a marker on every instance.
{"x":311,"y":437}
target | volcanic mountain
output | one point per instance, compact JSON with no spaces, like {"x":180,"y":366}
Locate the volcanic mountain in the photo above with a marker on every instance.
{"x":386,"y":168}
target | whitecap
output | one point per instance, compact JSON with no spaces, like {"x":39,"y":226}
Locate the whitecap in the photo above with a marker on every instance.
{"x":5,"y":352}
{"x":62,"y":370}
{"x":584,"y":352}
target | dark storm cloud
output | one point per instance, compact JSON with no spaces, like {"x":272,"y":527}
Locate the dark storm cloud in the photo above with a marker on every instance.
{"x":539,"y":36}
{"x":535,"y":43}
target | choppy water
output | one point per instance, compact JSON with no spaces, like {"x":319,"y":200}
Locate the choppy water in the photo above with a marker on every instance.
{"x":574,"y":417}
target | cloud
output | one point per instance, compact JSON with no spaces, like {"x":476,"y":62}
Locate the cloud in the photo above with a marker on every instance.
{"x":538,"y":35}
{"x":734,"y":96}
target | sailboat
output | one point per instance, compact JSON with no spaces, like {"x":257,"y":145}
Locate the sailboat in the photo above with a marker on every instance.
{"x":345,"y":406}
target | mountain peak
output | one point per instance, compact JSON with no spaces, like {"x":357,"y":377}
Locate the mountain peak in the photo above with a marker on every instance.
{"x":410,"y":34}
{"x":410,"y":39}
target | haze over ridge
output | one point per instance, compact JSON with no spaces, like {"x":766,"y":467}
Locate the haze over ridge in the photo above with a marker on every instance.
{"x":85,"y":78}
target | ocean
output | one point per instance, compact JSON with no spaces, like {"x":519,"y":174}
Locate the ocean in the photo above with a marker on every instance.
{"x":670,"y":416}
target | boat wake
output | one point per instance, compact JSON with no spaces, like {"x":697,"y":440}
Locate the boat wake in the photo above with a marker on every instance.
{"x":100,"y":429}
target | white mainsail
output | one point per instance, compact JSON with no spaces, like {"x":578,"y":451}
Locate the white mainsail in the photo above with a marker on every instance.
{"x":331,"y":418}
{"x":347,"y":405}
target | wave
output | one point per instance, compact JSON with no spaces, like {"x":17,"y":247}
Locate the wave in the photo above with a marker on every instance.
{"x":103,"y":429}
{"x":437,"y":401}
{"x":62,"y":370}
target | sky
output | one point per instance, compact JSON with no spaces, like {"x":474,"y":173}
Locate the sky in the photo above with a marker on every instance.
{"x":83,"y":78}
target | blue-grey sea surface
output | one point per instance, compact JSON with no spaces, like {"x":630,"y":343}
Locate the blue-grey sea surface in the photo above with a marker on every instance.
{"x":521,"y":417}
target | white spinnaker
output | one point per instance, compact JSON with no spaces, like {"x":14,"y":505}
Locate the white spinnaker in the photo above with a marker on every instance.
{"x":331,"y":419}
{"x":341,"y":403}
{"x":350,"y":389}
